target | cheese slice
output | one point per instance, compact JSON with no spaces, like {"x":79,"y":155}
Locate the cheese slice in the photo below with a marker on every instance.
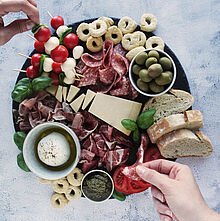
{"x":65,"y":90}
{"x":89,"y":96}
{"x":73,"y":91}
{"x":113,"y":110}
{"x":76,"y":104}
{"x":59,"y":93}
{"x":52,"y":90}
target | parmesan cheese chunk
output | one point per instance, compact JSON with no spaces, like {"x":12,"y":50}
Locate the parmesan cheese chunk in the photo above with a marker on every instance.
{"x":59,"y":94}
{"x":76,"y":104}
{"x":73,"y":91}
{"x":89,"y":96}
{"x":65,"y":90}
{"x":52,"y":90}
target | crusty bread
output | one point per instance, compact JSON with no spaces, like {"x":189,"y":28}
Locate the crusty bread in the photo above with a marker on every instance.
{"x":173,"y":102}
{"x":184,"y":143}
{"x":191,"y":119}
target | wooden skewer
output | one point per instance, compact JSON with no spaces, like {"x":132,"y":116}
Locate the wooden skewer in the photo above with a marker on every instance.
{"x":77,"y":79}
{"x":23,"y":55}
{"x":77,"y":74}
{"x":77,"y":67}
{"x":30,"y":36}
{"x":18,"y":70}
{"x":49,"y":14}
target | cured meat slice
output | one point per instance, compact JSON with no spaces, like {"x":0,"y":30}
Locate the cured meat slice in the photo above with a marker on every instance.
{"x":90,"y":77}
{"x":44,"y":110}
{"x":122,"y":88}
{"x":100,"y":144}
{"x":90,"y":145}
{"x":107,"y":75}
{"x":86,"y":155}
{"x":118,"y":49}
{"x":107,"y":53}
{"x":91,"y":61}
{"x":26,"y":105}
{"x":88,"y":165}
{"x":133,"y":92}
{"x":120,"y":64}
{"x":25,"y":125}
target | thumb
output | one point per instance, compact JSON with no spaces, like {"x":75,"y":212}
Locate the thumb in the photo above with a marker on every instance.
{"x":161,"y":181}
{"x":17,"y":26}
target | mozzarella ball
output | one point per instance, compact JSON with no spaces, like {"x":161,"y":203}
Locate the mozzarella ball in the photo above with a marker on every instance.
{"x":47,"y":51}
{"x":70,"y":74}
{"x":47,"y":65}
{"x":69,"y":64}
{"x":78,"y":51}
{"x":69,"y":80}
{"x":61,"y":29}
{"x":52,"y":43}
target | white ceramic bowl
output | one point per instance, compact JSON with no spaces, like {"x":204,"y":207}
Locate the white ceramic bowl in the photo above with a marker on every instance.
{"x":31,"y":159}
{"x":152,"y":94}
{"x":94,"y":171}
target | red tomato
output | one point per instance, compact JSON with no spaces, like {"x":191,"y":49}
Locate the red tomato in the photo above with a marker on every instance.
{"x":152,"y":153}
{"x":59,"y":54}
{"x":55,"y":77}
{"x":32,"y":72}
{"x":35,"y":60}
{"x":56,"y":68}
{"x":137,"y":186}
{"x":43,"y":34}
{"x":56,"y":22}
{"x":71,"y":41}
{"x":39,"y":46}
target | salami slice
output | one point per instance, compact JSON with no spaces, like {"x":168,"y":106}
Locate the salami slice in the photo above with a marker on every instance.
{"x":107,"y":53}
{"x":91,"y":61}
{"x":120,"y":64}
{"x":122,"y":88}
{"x":118,"y":49}
{"x":90,"y":77}
{"x":107,"y":75}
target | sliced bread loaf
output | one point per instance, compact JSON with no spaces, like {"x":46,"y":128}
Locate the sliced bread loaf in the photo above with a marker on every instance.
{"x":184,"y":143}
{"x":173,"y":102}
{"x":191,"y":119}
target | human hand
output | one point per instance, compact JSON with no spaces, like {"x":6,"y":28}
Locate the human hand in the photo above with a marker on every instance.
{"x":175,"y":191}
{"x":21,"y":25}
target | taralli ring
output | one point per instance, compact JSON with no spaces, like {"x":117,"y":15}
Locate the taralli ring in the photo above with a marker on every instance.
{"x":129,"y":42}
{"x":60,"y":186}
{"x":73,"y":193}
{"x":43,"y":181}
{"x":94,"y":44}
{"x":75,"y":177}
{"x":114,"y":34}
{"x":140,"y":37}
{"x":133,"y":52}
{"x":127,"y":25}
{"x":109,"y":22}
{"x":97,"y":28}
{"x":58,"y":201}
{"x":83,"y":31}
{"x":155,"y":42}
{"x":148,"y":22}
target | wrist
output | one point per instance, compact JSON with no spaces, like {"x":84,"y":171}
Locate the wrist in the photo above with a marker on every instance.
{"x":208,"y":214}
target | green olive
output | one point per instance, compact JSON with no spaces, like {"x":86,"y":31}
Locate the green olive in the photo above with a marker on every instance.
{"x":150,"y":61}
{"x":142,"y":85}
{"x":154,"y":53}
{"x":136,"y":68}
{"x":166,"y":63}
{"x":141,"y":58}
{"x":164,"y":78}
{"x":144,"y":76}
{"x":156,"y":88}
{"x":155,"y":70}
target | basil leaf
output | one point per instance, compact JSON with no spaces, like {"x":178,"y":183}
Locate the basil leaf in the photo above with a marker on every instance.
{"x":41,"y":83}
{"x":146,"y":119}
{"x":21,"y":92}
{"x":21,"y":163}
{"x":23,"y":82}
{"x":19,"y":138}
{"x":119,"y":196}
{"x":64,"y":34}
{"x":61,"y":78}
{"x":42,"y":59}
{"x":136,"y":136}
{"x":36,"y":28}
{"x":129,"y":124}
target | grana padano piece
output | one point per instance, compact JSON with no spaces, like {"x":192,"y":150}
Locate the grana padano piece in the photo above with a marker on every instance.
{"x":52,"y":90}
{"x":73,"y":91}
{"x":76,"y":104}
{"x":89,"y":96}
{"x":65,"y":90}
{"x":59,"y":93}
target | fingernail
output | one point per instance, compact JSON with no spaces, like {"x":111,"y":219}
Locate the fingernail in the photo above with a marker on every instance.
{"x":169,"y":213}
{"x":30,"y":25}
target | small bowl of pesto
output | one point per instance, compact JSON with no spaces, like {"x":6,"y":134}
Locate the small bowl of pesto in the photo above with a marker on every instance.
{"x":97,"y":186}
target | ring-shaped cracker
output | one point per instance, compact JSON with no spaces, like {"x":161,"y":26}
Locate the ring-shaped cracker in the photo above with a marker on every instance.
{"x":58,"y":201}
{"x":75,"y":177}
{"x":94,"y":44}
{"x":83,"y":31}
{"x":148,"y":22}
{"x":140,"y":37}
{"x":60,"y":186}
{"x":131,"y":54}
{"x":43,"y":181}
{"x":127,"y":25}
{"x":114,"y":34}
{"x":155,"y":42}
{"x":97,"y":28}
{"x":73,"y":193}
{"x":129,"y":42}
{"x":109,"y":22}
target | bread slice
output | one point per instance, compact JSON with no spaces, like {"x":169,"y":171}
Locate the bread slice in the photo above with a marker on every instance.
{"x":173,"y":102}
{"x":184,"y":143}
{"x":191,"y":119}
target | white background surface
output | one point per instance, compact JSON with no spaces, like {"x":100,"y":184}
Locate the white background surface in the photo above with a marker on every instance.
{"x":192,"y":30}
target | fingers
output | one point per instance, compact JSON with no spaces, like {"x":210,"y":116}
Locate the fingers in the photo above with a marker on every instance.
{"x":14,"y":28}
{"x":156,"y":193}
{"x":165,"y":218}
{"x":33,"y":2}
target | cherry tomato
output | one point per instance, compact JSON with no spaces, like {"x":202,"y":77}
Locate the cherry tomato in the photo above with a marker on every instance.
{"x":32,"y":72}
{"x":56,"y":22}
{"x":152,"y":153}
{"x":39,"y":46}
{"x":71,"y":41}
{"x":55,"y":77}
{"x":56,"y":68}
{"x":43,"y":34}
{"x":59,"y":54}
{"x":35,"y":60}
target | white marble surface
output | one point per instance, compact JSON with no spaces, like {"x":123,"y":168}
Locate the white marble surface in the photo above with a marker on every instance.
{"x":192,"y":30}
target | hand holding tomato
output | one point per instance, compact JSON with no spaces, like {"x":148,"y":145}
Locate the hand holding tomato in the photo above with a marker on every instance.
{"x":175,"y":191}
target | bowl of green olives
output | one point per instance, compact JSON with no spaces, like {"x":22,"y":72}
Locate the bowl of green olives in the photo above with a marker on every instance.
{"x":152,"y":72}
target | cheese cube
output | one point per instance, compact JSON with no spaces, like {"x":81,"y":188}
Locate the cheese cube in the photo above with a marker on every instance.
{"x":52,"y":90}
{"x":73,"y":91}
{"x":89,"y":96}
{"x":59,"y":93}
{"x":113,"y":110}
{"x":76,"y":104}
{"x":65,"y":90}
